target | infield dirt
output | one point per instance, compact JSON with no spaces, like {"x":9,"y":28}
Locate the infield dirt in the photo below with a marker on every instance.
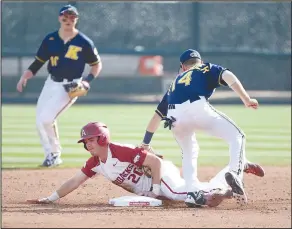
{"x":269,"y":203}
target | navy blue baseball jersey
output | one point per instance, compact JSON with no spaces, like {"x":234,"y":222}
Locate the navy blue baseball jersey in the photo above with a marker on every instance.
{"x":200,"y":80}
{"x":67,"y":60}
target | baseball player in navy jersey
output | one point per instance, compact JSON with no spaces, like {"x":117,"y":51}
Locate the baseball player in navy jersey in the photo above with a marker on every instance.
{"x":67,"y":50}
{"x":123,"y":165}
{"x":186,"y":109}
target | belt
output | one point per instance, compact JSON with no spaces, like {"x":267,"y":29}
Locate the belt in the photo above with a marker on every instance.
{"x":55,"y":79}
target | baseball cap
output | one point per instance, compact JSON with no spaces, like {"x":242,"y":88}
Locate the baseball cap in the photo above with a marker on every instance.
{"x":189,"y":54}
{"x":70,"y":9}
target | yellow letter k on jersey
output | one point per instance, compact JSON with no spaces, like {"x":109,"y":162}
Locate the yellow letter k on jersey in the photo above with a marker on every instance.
{"x":72,"y":52}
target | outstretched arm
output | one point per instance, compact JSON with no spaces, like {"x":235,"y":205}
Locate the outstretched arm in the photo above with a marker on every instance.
{"x":234,"y":83}
{"x":153,"y":124}
{"x":150,"y":130}
{"x":66,"y":188}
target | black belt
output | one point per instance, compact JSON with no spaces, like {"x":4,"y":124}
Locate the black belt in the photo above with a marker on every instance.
{"x":55,"y":79}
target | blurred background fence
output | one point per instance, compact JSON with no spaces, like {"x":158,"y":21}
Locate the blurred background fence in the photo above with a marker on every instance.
{"x":253,"y":39}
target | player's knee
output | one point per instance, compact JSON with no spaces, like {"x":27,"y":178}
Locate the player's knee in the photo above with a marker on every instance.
{"x":239,"y":138}
{"x":237,"y":134}
{"x":43,"y":120}
{"x":243,"y":136}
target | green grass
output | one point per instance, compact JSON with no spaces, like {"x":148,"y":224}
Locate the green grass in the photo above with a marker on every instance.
{"x":268,"y":131}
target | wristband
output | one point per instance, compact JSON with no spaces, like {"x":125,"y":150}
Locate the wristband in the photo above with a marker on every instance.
{"x":147,"y":137}
{"x":156,"y":189}
{"x":88,"y":78}
{"x":54,"y":197}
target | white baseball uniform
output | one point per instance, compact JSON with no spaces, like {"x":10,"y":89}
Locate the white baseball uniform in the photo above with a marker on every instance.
{"x":123,"y":168}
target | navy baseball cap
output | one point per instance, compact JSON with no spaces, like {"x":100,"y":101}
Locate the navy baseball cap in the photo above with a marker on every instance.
{"x":189,"y":54}
{"x":69,"y":9}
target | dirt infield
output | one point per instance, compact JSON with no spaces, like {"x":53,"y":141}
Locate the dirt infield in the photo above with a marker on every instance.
{"x":269,"y":203}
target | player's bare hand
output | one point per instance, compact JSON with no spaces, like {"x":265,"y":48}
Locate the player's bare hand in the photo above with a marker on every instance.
{"x":23,"y":80}
{"x":147,"y":147}
{"x":150,"y":149}
{"x":252,"y":103}
{"x":21,"y":84}
{"x":39,"y":201}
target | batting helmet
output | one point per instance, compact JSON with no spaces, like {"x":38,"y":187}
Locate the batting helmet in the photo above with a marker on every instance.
{"x":95,"y":129}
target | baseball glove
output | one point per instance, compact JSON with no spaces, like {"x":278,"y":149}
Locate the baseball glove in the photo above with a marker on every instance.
{"x":76,"y":89}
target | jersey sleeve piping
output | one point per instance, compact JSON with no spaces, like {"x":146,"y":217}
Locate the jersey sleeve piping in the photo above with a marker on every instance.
{"x":94,"y":63}
{"x":40,"y":60}
{"x":159,"y":113}
{"x":220,"y":77}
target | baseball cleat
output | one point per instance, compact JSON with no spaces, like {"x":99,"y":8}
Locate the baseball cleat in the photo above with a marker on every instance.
{"x":52,"y":160}
{"x":255,"y":169}
{"x":195,"y":199}
{"x":212,"y":198}
{"x":237,"y":187}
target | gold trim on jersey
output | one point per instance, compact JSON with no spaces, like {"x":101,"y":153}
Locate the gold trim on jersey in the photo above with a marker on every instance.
{"x":94,"y":63}
{"x":160,"y":114}
{"x":220,"y":77}
{"x":39,"y":59}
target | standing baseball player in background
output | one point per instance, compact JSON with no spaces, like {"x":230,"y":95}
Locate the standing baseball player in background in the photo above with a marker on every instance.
{"x":187,"y":108}
{"x":124,"y":165}
{"x":68,"y":50}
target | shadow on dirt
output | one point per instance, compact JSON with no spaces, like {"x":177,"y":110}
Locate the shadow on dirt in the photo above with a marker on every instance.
{"x":66,"y":208}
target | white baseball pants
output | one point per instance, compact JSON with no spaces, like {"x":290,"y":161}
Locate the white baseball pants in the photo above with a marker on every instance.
{"x":200,"y":115}
{"x":174,"y":187}
{"x":52,"y":101}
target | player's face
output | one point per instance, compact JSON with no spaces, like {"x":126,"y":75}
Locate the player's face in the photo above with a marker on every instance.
{"x":68,"y":21}
{"x":92,"y":146}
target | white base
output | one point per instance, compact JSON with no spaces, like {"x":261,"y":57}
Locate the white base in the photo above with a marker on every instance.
{"x":135,"y":201}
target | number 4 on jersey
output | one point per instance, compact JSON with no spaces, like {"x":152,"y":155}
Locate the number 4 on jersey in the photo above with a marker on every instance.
{"x":186,"y":79}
